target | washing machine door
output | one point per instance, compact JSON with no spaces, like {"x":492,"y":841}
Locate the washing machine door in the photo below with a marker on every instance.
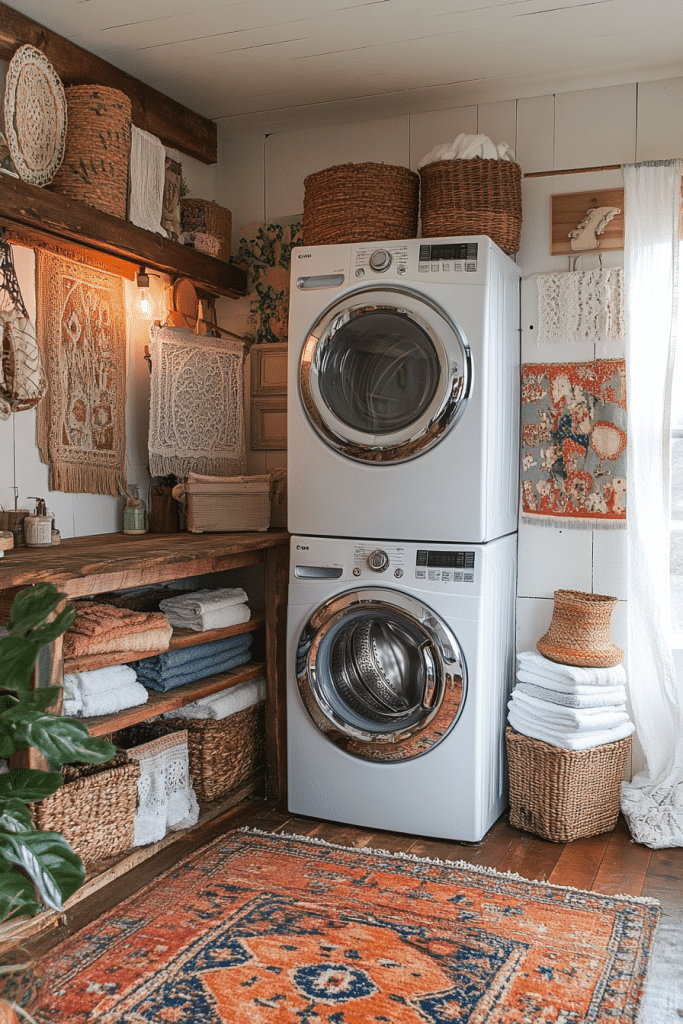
{"x":384,"y":374}
{"x":380,"y":674}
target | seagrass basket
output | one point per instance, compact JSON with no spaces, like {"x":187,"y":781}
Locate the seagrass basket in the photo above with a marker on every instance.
{"x":360,"y":203}
{"x":579,"y":632}
{"x":562,"y":795}
{"x":220,"y":505}
{"x":94,"y":809}
{"x":225,"y":753}
{"x":95,"y":165}
{"x":472,"y":197}
{"x":204,"y":217}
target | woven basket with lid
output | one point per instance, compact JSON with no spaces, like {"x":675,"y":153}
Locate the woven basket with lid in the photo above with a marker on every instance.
{"x":472,"y":197}
{"x":95,"y":165}
{"x":360,"y":203}
{"x":579,"y":632}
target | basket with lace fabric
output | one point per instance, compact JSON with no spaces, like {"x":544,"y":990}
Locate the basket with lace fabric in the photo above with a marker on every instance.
{"x":22,"y":381}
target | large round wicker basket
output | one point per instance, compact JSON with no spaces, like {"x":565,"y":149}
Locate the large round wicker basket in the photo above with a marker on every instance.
{"x":472,"y":197}
{"x":95,"y":165}
{"x":360,"y":203}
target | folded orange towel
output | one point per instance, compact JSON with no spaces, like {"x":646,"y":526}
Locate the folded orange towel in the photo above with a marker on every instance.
{"x":104,"y":629}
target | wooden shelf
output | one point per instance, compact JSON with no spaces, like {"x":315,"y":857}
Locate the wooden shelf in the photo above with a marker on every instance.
{"x":171,"y":700}
{"x":32,"y":216}
{"x":181,"y":638}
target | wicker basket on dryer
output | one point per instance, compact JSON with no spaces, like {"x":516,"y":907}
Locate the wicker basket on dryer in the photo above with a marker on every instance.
{"x":472,"y":197}
{"x":360,"y":203}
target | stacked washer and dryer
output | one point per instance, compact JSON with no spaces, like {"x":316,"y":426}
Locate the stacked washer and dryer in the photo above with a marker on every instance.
{"x":403,"y":430}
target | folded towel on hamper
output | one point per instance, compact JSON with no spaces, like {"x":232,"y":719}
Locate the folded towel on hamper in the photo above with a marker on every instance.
{"x":598,"y":697}
{"x":534,"y":668}
{"x":105,"y":629}
{"x":207,"y":609}
{"x":567,"y":738}
{"x":102,"y":691}
{"x":569,"y":718}
{"x":165,"y":672}
{"x":228,"y":702}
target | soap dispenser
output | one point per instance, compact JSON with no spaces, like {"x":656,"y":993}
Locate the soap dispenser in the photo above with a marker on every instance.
{"x":38,"y":527}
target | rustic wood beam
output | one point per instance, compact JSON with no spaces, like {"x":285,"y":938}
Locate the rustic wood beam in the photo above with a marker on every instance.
{"x":176,"y":125}
{"x":26,"y":206}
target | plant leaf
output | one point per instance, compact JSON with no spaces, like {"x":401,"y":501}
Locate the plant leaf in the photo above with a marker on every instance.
{"x":17,"y":658}
{"x":17,"y":895}
{"x":49,"y":861}
{"x":60,"y":740}
{"x":31,"y":607}
{"x":15,"y":816}
{"x":29,"y":784}
{"x":42,"y":698}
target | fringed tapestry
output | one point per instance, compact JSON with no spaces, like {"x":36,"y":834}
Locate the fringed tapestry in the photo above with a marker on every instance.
{"x":81,"y":422}
{"x":265,"y":249}
{"x":574,"y":443}
{"x":196,"y":418}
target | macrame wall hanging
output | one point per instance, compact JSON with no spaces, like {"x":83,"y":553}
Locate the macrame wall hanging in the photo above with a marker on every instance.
{"x":22,"y":381}
{"x":575,"y":306}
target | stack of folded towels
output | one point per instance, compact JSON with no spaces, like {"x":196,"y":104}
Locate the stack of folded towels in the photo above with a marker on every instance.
{"x":104,"y":629}
{"x":207,"y":609}
{"x":567,"y":706}
{"x":101,"y":692}
{"x":221,"y":705}
{"x":184,"y":665}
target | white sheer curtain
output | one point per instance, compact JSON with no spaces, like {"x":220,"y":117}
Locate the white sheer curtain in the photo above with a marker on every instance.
{"x":653,"y":801}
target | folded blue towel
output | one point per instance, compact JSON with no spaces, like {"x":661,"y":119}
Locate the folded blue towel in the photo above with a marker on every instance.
{"x":173,"y":668}
{"x":190,"y":673}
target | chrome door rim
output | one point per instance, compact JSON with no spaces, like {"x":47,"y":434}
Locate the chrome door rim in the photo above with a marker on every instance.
{"x":441,"y":415}
{"x":447,"y":682}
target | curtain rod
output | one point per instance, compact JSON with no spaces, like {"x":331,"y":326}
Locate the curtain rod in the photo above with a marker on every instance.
{"x":573,"y":170}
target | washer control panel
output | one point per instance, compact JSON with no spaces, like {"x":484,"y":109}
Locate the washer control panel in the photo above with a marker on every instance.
{"x":448,"y":257}
{"x":447,"y":566}
{"x":371,"y":560}
{"x":391,"y":561}
{"x":373,"y":260}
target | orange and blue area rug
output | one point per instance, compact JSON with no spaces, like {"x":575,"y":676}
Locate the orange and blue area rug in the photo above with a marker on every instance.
{"x":262,"y":928}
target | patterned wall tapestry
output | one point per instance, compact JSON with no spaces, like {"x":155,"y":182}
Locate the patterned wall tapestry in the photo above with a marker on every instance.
{"x":81,"y":423}
{"x":574,"y":443}
{"x":265,"y":249}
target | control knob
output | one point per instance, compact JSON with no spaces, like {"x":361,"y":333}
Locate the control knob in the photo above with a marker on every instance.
{"x":380,"y":260}
{"x":378,"y":560}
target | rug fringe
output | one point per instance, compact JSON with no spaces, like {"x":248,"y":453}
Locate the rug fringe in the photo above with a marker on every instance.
{"x":573,"y":524}
{"x":459,"y":864}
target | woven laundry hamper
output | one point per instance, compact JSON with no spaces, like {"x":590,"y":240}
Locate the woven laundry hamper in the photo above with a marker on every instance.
{"x":360,"y":203}
{"x":562,"y":795}
{"x":95,"y":165}
{"x":94,"y":809}
{"x":204,"y":217}
{"x":472,"y":197}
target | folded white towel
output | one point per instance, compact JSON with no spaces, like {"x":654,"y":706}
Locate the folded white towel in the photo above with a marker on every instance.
{"x":207,"y":609}
{"x":568,"y":740}
{"x":575,"y":719}
{"x":597,"y":697}
{"x":533,"y":662}
{"x":99,"y":680}
{"x":228,"y":702}
{"x":128,"y":696}
{"x":468,"y":147}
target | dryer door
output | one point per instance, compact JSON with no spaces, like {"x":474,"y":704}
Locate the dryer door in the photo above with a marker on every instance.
{"x":380,"y":674}
{"x":384,"y":374}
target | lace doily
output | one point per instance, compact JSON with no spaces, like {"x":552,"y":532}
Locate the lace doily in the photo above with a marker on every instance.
{"x":166,"y":799}
{"x":196,"y":421}
{"x":35,"y":116}
{"x":585,"y":305}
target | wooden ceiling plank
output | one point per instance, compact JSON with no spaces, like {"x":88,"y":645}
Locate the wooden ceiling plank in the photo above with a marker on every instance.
{"x":176,"y":125}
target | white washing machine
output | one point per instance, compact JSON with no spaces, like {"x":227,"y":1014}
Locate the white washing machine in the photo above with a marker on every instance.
{"x":400,"y":660}
{"x":403,"y":390}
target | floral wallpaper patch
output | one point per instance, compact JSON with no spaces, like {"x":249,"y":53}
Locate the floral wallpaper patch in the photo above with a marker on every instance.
{"x":574,"y":443}
{"x":265,"y":249}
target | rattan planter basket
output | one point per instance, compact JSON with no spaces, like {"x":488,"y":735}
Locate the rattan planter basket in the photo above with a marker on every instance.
{"x":95,"y":165}
{"x":472,"y":197}
{"x":94,"y":809}
{"x":562,"y":795}
{"x":360,"y":203}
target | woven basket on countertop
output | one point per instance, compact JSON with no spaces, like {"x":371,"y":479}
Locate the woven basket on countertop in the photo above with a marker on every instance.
{"x":472,"y":197}
{"x":360,"y":203}
{"x":94,"y":809}
{"x":579,"y":632}
{"x":562,"y":795}
{"x":95,"y":165}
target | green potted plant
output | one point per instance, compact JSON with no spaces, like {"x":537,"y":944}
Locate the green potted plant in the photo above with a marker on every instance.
{"x":37,"y":869}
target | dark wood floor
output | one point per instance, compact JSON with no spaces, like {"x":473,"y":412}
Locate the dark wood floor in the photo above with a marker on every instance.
{"x":609,"y":863}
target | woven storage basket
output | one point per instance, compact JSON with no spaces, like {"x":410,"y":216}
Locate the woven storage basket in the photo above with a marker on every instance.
{"x":234,"y":503}
{"x":561,"y":794}
{"x":473,"y":197}
{"x":579,"y":633}
{"x":360,"y":203}
{"x":204,"y":217}
{"x":95,"y":165}
{"x":94,"y":809}
{"x":224,"y":753}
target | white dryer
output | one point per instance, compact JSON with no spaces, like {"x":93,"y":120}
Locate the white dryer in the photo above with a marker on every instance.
{"x":400,"y":660}
{"x":403,"y":390}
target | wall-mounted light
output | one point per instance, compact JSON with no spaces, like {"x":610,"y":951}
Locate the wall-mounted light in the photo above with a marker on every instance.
{"x":144,"y":301}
